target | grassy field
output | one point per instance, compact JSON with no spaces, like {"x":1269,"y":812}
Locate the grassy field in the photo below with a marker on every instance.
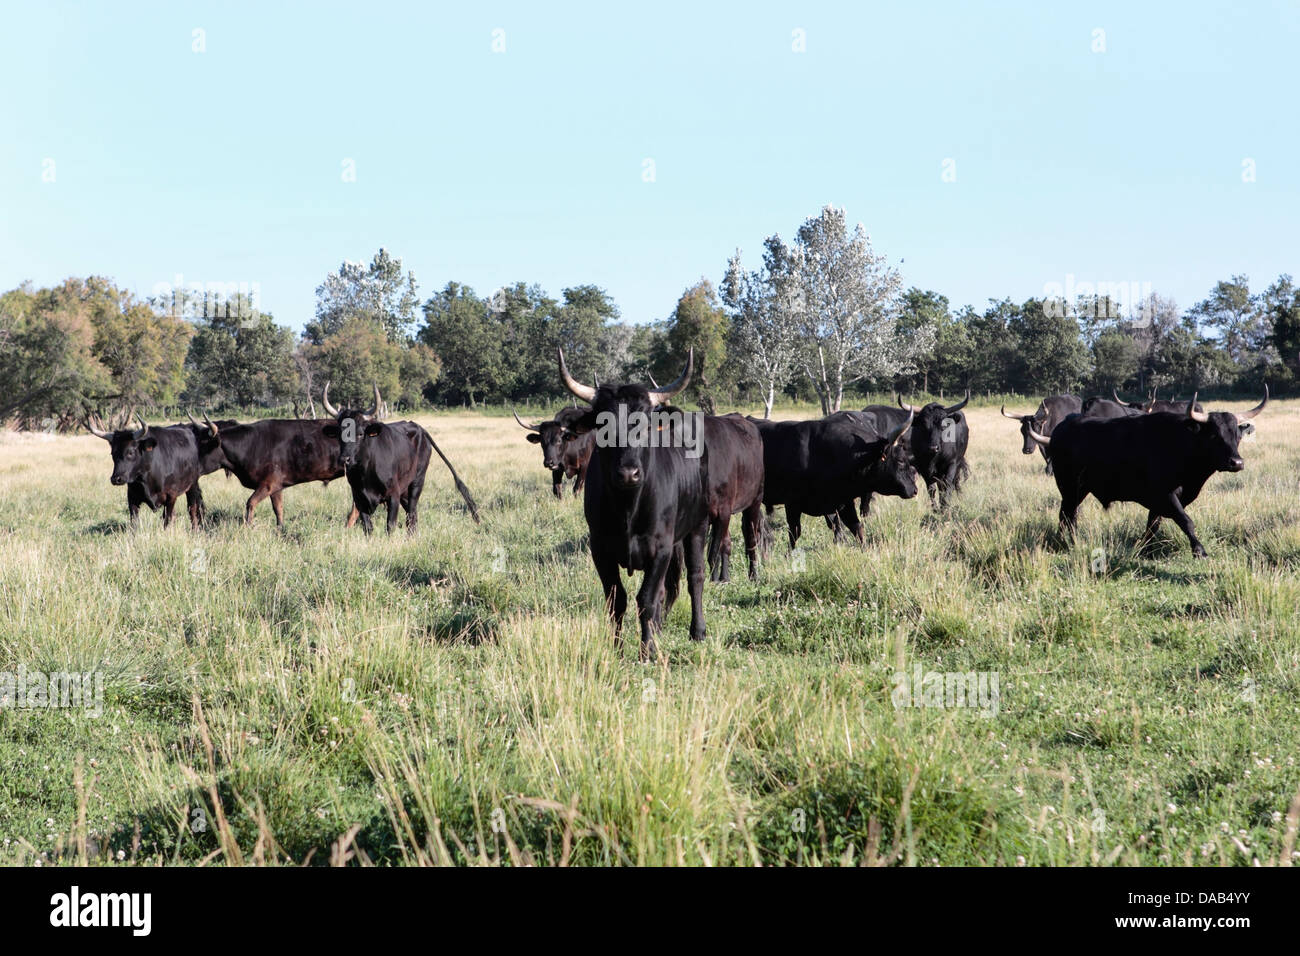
{"x":317,"y":696}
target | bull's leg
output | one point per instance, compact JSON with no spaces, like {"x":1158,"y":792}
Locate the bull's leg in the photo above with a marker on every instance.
{"x":1068,"y":518}
{"x":133,"y":500}
{"x":672,"y":581}
{"x":277,"y":505}
{"x":866,"y":504}
{"x":851,"y":522}
{"x":1179,"y":516}
{"x":611,"y":582}
{"x":720,"y":550}
{"x":795,"y":525}
{"x":1153,"y":524}
{"x":766,"y":539}
{"x":648,"y":600}
{"x":256,"y":498}
{"x":695,"y":580}
{"x":752,"y":527}
{"x":932,"y":487}
{"x":169,"y":508}
{"x":394,"y":504}
{"x":194,"y":503}
{"x":580,"y":480}
{"x":411,"y":502}
{"x":353,"y":515}
{"x":557,"y":482}
{"x":367,"y":523}
{"x":837,"y":527}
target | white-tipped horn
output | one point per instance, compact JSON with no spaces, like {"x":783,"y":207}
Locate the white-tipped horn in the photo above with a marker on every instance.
{"x":531,"y":428}
{"x":1242,"y":416}
{"x":658,"y":396}
{"x":903,"y":405}
{"x":98,"y":433}
{"x":325,"y":401}
{"x":959,"y":406}
{"x":1043,"y":440}
{"x":584,"y":392}
{"x":1193,"y":414}
{"x":1014,"y":418}
{"x":142,"y":430}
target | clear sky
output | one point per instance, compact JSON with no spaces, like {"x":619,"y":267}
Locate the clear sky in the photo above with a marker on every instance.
{"x":488,"y":167}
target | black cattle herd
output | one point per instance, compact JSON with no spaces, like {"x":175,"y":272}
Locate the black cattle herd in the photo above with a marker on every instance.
{"x":651,"y":505}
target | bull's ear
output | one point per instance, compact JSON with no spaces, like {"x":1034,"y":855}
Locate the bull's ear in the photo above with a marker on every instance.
{"x":374,"y":428}
{"x":149,"y":444}
{"x":533,"y":437}
{"x":582,"y":425}
{"x":331,"y":431}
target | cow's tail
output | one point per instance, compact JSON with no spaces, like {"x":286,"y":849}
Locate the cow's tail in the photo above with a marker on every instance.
{"x":460,"y":485}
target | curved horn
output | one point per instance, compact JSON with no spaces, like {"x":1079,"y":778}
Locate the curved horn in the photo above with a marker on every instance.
{"x":959,"y":406}
{"x":1014,"y":418}
{"x":325,"y":401}
{"x":379,"y":403}
{"x":1041,"y":439}
{"x":1193,"y":414}
{"x":584,"y":392}
{"x":901,"y":430}
{"x":1242,"y":416}
{"x":107,"y":436}
{"x":206,"y":424}
{"x":659,"y":396}
{"x":911,"y":408}
{"x":531,"y":428}
{"x":142,"y":431}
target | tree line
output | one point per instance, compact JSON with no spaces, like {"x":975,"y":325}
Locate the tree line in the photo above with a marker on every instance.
{"x":823,"y":317}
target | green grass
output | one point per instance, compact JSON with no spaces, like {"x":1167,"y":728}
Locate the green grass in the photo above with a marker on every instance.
{"x":316,"y":696}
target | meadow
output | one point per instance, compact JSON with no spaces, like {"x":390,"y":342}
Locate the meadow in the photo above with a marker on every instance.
{"x":317,"y":696}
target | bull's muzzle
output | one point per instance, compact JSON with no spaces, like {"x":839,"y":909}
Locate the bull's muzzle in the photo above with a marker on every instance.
{"x":629,"y":477}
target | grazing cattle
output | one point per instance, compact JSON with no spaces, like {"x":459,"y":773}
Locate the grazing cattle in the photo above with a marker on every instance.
{"x":1051,"y":412}
{"x":384,"y":463}
{"x":1160,"y":460}
{"x":646,"y":500}
{"x":736,"y":476}
{"x":157,"y":465}
{"x":939,"y":439}
{"x":272,"y":455}
{"x":820,"y":467}
{"x":563,"y":452}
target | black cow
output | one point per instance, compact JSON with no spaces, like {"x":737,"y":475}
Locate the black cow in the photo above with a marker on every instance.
{"x":1160,"y":460}
{"x":736,"y":477}
{"x":939,"y":439}
{"x":893,"y":475}
{"x":1051,"y":412}
{"x":271,"y":455}
{"x":157,"y":465}
{"x":563,"y":452}
{"x":646,"y":501}
{"x":385,"y":463}
{"x":821,"y":467}
{"x":1154,"y":404}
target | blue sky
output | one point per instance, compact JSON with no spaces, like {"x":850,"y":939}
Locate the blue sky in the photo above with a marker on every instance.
{"x":489,"y":168}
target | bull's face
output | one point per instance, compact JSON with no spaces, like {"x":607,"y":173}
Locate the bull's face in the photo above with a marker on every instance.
{"x":352,"y":426}
{"x":1027,"y":423}
{"x":623,"y":464}
{"x":934,"y":425}
{"x":553,"y":436}
{"x":894,"y":474}
{"x":132,"y":451}
{"x":1219,"y":438}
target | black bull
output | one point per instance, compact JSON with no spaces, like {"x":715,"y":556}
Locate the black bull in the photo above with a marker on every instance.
{"x":646,"y":504}
{"x":272,"y":455}
{"x":157,"y":466}
{"x":1160,"y":460}
{"x":1051,"y":412}
{"x":820,"y":467}
{"x":565,"y":453}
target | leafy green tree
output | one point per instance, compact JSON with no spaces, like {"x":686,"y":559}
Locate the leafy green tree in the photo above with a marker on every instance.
{"x":380,"y":292}
{"x":1280,"y":307}
{"x":1050,"y":354}
{"x":356,"y":356}
{"x":1232,"y":311}
{"x":239,"y":357}
{"x":698,"y":323}
{"x":469,"y":341}
{"x":1115,"y":360}
{"x":762,"y":338}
